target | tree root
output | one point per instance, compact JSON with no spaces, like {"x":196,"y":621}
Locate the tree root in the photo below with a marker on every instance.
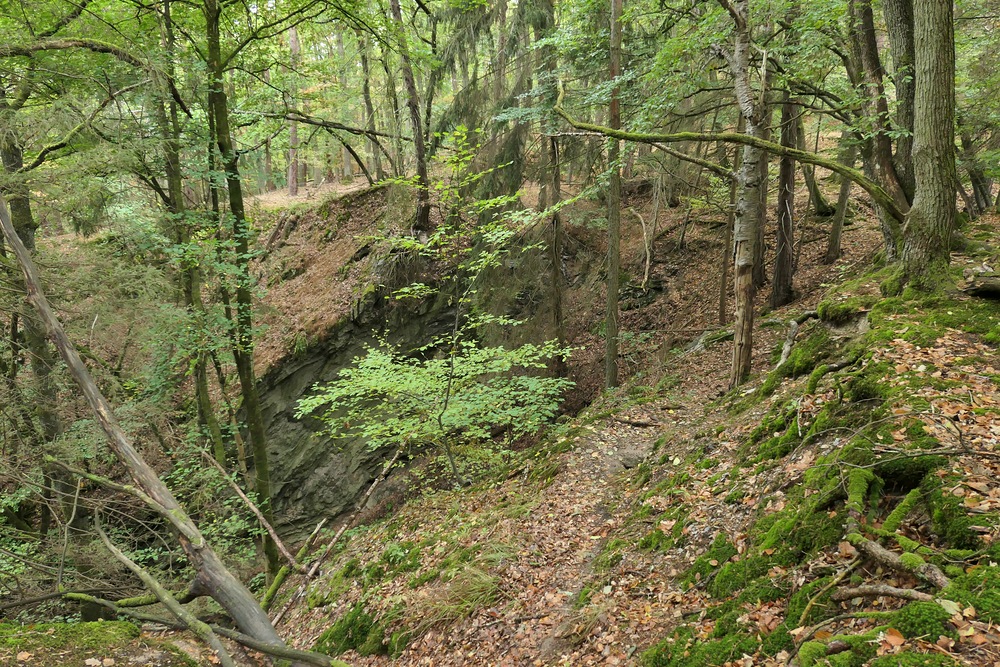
{"x":926,"y":571}
{"x":876,"y":590}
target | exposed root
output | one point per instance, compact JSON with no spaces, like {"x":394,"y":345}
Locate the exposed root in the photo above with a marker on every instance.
{"x":876,"y":590}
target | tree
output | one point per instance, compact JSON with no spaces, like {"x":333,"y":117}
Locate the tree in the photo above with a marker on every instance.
{"x":611,"y":323}
{"x":931,"y":220}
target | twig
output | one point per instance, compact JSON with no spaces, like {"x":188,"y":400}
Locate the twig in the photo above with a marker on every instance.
{"x":189,"y":620}
{"x":836,"y":580}
{"x":65,"y":544}
{"x":329,"y":546}
{"x":310,"y":657}
{"x":260,"y":516}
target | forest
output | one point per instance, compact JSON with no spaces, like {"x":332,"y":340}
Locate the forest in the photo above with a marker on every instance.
{"x":499,"y":332}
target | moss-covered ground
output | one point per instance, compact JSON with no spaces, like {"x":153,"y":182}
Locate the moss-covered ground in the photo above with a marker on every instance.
{"x":73,"y":644}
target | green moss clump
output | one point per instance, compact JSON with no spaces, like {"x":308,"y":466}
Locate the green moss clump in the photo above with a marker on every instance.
{"x":924,"y":619}
{"x":682,"y":649}
{"x":821,"y":608}
{"x":611,"y":555}
{"x":355,"y":630}
{"x":948,"y":517}
{"x":840,"y":311}
{"x":735,"y":576}
{"x":720,"y":552}
{"x":655,"y":540}
{"x":979,"y":588}
{"x":900,"y":512}
{"x":810,"y":653}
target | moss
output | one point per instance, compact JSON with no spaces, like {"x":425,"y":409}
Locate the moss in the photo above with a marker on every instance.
{"x":735,"y":576}
{"x":398,"y":642}
{"x":355,"y":630}
{"x":817,"y":374}
{"x":838,"y":310}
{"x":78,"y":637}
{"x":682,"y":649}
{"x":979,"y":588}
{"x":901,"y":511}
{"x":325,"y":592}
{"x":821,"y":609}
{"x":911,"y":561}
{"x":718,"y":553}
{"x":924,"y":619}
{"x":811,"y":653}
{"x":948,"y":516}
{"x":655,"y":540}
{"x":611,"y":555}
{"x":858,"y":482}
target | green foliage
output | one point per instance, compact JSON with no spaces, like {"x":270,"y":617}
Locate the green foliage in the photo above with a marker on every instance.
{"x":453,"y":389}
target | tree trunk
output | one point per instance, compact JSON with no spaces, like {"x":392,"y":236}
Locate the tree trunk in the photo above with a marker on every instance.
{"x":781,"y":288}
{"x":821,"y":207}
{"x":746,"y":227}
{"x":930,"y":221}
{"x":293,"y":127}
{"x":366,"y":94}
{"x":848,"y":154}
{"x":345,"y":154}
{"x":212,"y":575}
{"x":899,"y":25}
{"x":243,"y":320}
{"x":422,"y":222}
{"x":614,"y":207}
{"x":878,"y":154}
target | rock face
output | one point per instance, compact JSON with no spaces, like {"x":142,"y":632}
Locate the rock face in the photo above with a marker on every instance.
{"x":312,"y":474}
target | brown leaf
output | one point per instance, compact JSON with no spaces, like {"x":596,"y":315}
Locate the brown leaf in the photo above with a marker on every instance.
{"x":894,"y":637}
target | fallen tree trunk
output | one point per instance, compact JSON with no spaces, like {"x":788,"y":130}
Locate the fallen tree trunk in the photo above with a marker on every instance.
{"x":212,"y":575}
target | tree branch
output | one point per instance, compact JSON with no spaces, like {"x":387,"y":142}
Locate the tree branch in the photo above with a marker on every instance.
{"x":871,"y":187}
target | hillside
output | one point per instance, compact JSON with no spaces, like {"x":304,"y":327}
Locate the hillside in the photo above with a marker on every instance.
{"x":672,"y":524}
{"x":840,"y":508}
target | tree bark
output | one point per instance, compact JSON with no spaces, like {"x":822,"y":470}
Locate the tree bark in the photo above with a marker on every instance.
{"x":899,"y":26}
{"x":614,"y":208}
{"x":848,"y":155}
{"x":821,"y":207}
{"x":243,"y":321}
{"x":930,"y":221}
{"x":422,"y":222}
{"x":781,"y":287}
{"x":293,"y":126}
{"x":366,"y":94}
{"x":878,"y":157}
